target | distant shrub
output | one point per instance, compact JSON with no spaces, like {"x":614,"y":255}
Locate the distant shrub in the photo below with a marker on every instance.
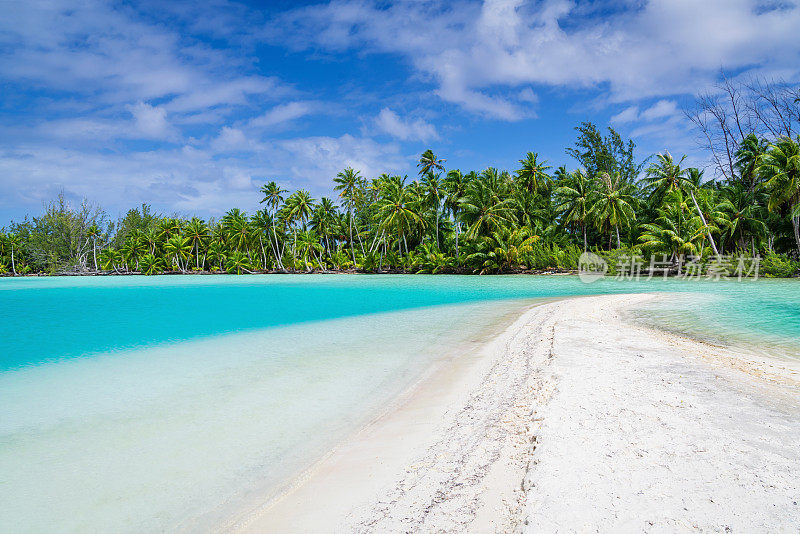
{"x":545,"y":255}
{"x":778,"y":266}
{"x":616,"y":258}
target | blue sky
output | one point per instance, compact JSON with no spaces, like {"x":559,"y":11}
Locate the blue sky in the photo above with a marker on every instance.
{"x":192,"y":106}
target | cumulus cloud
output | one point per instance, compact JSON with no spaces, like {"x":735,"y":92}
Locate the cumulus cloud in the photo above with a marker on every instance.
{"x":391,"y":124}
{"x":109,"y":54}
{"x":95,"y":76}
{"x":470,"y":50}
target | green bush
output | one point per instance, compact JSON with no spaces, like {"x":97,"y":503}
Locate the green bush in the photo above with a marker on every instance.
{"x":614,"y":258}
{"x":778,"y":266}
{"x":551,"y":256}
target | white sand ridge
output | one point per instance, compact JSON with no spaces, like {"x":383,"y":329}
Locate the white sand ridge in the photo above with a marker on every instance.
{"x":571,"y":421}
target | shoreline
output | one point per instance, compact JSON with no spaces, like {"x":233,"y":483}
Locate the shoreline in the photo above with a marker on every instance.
{"x":401,"y":428}
{"x":468,"y":447}
{"x":459,"y":272}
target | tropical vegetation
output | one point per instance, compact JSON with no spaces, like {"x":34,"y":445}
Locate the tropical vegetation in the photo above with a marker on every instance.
{"x":445,"y":220}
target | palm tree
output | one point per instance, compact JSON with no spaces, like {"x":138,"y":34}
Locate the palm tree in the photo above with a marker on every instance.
{"x":665,"y":175}
{"x":572,"y":197}
{"x":674,"y":230}
{"x":236,"y":226}
{"x":133,"y":248}
{"x":309,"y":244}
{"x":744,"y":213}
{"x":498,"y":182}
{"x":398,"y":211}
{"x":347,"y":183}
{"x":168,"y":227}
{"x":13,"y":240}
{"x":93,"y":233}
{"x":693,"y":180}
{"x":433,"y":191}
{"x":532,"y":175}
{"x":483,"y":209}
{"x":323,"y":221}
{"x":531,"y":208}
{"x":197,"y":232}
{"x":429,"y":163}
{"x":110,"y":259}
{"x":709,"y":210}
{"x":298,"y":208}
{"x":780,"y":167}
{"x":237,"y":262}
{"x":663,"y":235}
{"x":612,"y":205}
{"x":273,"y":196}
{"x":150,"y":239}
{"x":503,"y":250}
{"x":261,"y":223}
{"x":217,"y":254}
{"x":455,"y":187}
{"x":180,"y":248}
{"x":748,"y":159}
{"x":150,"y":264}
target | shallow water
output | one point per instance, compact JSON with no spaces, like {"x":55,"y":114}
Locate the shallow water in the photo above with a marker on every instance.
{"x":140,"y":404}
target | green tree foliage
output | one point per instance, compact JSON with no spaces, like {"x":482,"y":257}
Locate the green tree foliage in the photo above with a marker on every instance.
{"x":450,"y":220}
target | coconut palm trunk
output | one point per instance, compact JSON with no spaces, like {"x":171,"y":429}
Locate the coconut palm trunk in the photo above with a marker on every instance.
{"x":352,"y":250}
{"x":455,"y":223}
{"x":275,"y":247}
{"x":436,"y":222}
{"x":263,"y":250}
{"x":94,"y":252}
{"x":705,"y":224}
{"x":585,"y":244}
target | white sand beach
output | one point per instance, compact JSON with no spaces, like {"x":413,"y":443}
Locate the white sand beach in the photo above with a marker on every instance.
{"x":572,"y":420}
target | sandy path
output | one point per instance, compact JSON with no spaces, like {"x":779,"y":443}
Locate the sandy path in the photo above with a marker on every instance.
{"x":570,"y":421}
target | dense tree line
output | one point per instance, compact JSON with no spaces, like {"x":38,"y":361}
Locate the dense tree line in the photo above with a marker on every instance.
{"x":450,"y":220}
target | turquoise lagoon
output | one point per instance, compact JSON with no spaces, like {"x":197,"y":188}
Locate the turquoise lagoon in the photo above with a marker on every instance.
{"x":135,"y":404}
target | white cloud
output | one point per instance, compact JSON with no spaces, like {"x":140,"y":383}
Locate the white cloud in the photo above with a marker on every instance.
{"x":283,"y":113}
{"x":85,"y":128}
{"x":151,"y":121}
{"x":191,"y":179}
{"x":527,"y":95}
{"x":231,"y":140}
{"x":318,"y":159}
{"x":660,"y":110}
{"x":629,"y":114}
{"x":101,"y":74}
{"x":390,"y":123}
{"x":475,"y":51}
{"x":112,"y":57}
